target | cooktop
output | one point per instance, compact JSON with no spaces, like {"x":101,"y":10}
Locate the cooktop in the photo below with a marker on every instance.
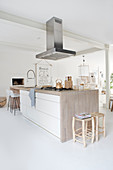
{"x":54,"y":89}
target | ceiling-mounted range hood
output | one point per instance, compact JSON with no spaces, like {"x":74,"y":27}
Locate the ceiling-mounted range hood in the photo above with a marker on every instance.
{"x":54,"y":41}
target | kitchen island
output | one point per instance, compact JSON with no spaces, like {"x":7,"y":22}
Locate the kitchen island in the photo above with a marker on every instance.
{"x":54,"y":109}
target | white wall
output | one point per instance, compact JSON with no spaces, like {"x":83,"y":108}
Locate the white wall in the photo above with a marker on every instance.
{"x":111,"y":59}
{"x":70,"y":65}
{"x":16,"y":62}
{"x":13,"y":63}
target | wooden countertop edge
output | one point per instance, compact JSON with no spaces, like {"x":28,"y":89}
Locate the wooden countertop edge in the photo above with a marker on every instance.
{"x":58,"y":93}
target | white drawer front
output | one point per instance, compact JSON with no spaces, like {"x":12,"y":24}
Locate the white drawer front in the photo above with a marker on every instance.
{"x":49,"y":123}
{"x":48,"y":107}
{"x":48,"y":97}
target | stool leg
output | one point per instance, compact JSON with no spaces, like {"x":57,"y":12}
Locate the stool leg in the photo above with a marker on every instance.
{"x":73,"y":129}
{"x":111,"y":106}
{"x":17,"y":103}
{"x":86,"y":127}
{"x":83,"y":133}
{"x":104,"y":133}
{"x":14,"y":105}
{"x":97,"y":122}
{"x":11,"y":104}
{"x":8,"y":104}
{"x":93,"y":129}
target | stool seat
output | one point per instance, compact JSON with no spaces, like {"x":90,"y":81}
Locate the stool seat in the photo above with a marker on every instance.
{"x":14,"y":94}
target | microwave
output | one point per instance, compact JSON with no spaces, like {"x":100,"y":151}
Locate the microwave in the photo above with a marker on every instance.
{"x":17,"y":81}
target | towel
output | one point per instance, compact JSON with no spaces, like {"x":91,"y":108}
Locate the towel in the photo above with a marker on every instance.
{"x":32,"y":96}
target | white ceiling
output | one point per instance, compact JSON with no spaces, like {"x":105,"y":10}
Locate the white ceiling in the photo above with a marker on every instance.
{"x":90,"y":18}
{"x":29,"y":38}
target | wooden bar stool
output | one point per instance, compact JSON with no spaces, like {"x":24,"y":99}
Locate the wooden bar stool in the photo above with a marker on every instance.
{"x":14,"y":101}
{"x":100,"y":129}
{"x":85,"y":132}
{"x":8,"y":99}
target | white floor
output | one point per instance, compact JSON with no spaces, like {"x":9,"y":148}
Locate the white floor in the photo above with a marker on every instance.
{"x":25,"y":146}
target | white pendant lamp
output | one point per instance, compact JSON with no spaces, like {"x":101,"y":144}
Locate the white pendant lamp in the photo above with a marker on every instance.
{"x":84,"y":69}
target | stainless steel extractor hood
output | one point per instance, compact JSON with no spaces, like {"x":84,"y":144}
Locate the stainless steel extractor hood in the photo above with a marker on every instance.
{"x":54,"y":41}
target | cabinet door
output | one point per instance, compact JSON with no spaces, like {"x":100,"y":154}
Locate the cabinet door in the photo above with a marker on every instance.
{"x":45,"y":121}
{"x":48,"y":112}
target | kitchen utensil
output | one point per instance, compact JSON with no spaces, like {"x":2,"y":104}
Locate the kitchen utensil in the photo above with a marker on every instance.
{"x":68,"y":82}
{"x":81,"y":87}
{"x":59,"y":84}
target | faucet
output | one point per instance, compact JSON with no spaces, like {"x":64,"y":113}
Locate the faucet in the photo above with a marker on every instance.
{"x":30,"y":77}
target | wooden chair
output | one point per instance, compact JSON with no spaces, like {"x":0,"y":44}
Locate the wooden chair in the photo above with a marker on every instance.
{"x":85,"y":132}
{"x":99,"y":129}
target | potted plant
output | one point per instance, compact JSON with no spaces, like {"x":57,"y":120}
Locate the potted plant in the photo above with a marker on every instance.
{"x":111,"y":83}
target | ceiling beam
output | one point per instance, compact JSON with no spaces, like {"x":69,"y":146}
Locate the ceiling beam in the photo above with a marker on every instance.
{"x":34,"y":24}
{"x":23,"y":46}
{"x":21,"y":20}
{"x":90,"y":50}
{"x":85,"y":39}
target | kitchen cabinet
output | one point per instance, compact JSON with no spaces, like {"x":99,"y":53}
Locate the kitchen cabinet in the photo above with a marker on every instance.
{"x":46,"y":112}
{"x":48,"y":104}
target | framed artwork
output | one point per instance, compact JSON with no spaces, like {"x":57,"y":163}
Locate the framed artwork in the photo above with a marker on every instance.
{"x":43,"y":74}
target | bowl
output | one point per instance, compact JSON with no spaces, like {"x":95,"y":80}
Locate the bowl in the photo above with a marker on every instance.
{"x":3,"y":101}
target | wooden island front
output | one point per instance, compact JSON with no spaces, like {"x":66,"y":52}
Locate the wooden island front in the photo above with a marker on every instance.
{"x":54,"y":110}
